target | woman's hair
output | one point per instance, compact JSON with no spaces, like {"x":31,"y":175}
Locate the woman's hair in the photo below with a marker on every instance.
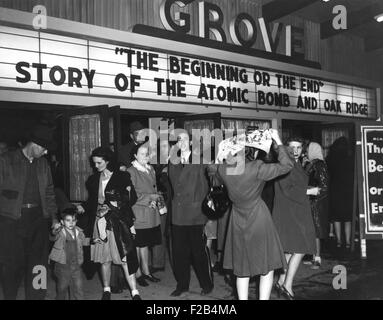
{"x":107,"y":155}
{"x":295,"y":139}
{"x":138,"y":147}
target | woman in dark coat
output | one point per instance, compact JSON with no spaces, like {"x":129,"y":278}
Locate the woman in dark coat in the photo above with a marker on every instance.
{"x":252,"y":244}
{"x":341,"y":171}
{"x":109,"y":206}
{"x":292,"y":218}
{"x":318,"y":177}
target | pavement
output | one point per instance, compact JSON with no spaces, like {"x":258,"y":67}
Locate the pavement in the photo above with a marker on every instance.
{"x":364,"y":281}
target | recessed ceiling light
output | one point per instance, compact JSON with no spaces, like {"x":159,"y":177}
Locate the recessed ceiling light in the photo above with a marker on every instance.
{"x":379,"y":17}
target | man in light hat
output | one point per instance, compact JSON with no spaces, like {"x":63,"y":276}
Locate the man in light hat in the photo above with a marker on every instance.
{"x":126,"y":156}
{"x":27,"y":210}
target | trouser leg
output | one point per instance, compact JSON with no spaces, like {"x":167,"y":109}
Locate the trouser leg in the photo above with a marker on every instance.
{"x":12,"y":256}
{"x":36,"y":276}
{"x":63,"y":275}
{"x":76,"y":288}
{"x":200,"y":257}
{"x":181,"y":256}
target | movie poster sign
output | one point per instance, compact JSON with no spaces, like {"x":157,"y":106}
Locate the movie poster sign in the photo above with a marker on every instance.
{"x":372,"y":156}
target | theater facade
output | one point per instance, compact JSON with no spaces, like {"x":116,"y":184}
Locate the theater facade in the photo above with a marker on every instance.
{"x":208,"y":64}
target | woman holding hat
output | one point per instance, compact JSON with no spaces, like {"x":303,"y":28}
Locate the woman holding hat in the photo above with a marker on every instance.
{"x":252,"y":245}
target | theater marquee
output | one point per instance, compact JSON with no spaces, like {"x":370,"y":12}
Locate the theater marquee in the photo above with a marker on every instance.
{"x":50,"y":63}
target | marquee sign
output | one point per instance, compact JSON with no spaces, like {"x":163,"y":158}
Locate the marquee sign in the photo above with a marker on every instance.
{"x":44,"y":62}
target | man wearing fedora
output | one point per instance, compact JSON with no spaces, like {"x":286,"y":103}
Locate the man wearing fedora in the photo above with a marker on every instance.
{"x":125,"y":155}
{"x":27,"y":210}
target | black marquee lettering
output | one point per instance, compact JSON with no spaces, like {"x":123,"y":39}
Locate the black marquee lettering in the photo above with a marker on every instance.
{"x":52,"y":76}
{"x":25,"y":73}
{"x":221,"y":93}
{"x":89,"y":77}
{"x":159,"y":81}
{"x":39,"y":68}
{"x":181,"y":89}
{"x":134,"y":82}
{"x":174,"y":65}
{"x":72,"y":79}
{"x":124,"y":78}
{"x":203,"y":92}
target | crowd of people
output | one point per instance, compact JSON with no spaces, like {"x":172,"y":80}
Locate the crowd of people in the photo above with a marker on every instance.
{"x":139,"y":214}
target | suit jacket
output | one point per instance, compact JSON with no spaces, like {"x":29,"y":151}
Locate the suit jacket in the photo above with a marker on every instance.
{"x":119,"y":182}
{"x":13,"y":173}
{"x":190,"y":186}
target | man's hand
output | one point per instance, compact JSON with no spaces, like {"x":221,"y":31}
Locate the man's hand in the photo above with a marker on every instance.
{"x":80,"y":209}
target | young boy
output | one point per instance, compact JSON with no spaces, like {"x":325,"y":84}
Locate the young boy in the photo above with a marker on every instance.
{"x":67,"y":253}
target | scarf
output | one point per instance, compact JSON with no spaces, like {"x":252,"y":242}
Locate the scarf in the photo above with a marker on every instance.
{"x":147,"y":168}
{"x":315,"y":152}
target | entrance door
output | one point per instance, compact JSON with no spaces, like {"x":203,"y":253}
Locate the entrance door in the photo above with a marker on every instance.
{"x":115,"y":142}
{"x":84,"y":130}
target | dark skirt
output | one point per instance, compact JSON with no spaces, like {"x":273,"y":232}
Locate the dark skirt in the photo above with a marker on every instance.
{"x":319,"y":210}
{"x":148,"y":237}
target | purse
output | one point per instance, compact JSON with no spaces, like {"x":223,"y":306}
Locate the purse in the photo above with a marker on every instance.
{"x":217,"y":201}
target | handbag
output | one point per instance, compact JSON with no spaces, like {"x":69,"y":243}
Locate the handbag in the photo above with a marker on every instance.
{"x":217,"y":201}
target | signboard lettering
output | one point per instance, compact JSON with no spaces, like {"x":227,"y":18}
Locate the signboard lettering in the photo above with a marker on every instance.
{"x":44,"y":62}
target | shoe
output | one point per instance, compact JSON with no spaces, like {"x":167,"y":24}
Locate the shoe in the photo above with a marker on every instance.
{"x":151,"y":278}
{"x":217,"y":268}
{"x":116,"y":290}
{"x":137,"y":297}
{"x":308,"y":259}
{"x":154,"y":270}
{"x":338,"y":245}
{"x":205,"y":292}
{"x":278,"y":289}
{"x":141,"y":281}
{"x":286,"y":293}
{"x":177,"y":292}
{"x":317,"y":263}
{"x":348,"y":246}
{"x":106,"y":295}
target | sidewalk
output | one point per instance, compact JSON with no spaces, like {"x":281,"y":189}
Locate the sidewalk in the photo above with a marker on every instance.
{"x":364,"y":281}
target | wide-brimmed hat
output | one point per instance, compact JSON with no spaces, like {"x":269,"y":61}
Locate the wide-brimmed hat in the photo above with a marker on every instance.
{"x":43,"y":136}
{"x":136,"y":126}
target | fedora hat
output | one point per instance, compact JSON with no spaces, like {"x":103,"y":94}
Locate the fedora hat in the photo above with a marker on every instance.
{"x":136,"y":126}
{"x":43,"y":136}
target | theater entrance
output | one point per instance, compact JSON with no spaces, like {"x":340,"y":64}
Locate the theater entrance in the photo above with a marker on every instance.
{"x":331,"y":136}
